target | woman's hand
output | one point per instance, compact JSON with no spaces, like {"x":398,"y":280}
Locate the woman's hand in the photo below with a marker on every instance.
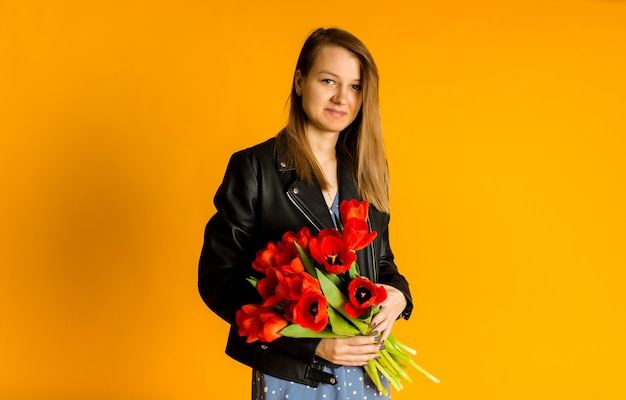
{"x":354,"y":351}
{"x":389,"y":312}
{"x":358,"y":350}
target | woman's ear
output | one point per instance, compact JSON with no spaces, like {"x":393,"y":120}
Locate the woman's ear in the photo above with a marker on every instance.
{"x":298,"y":80}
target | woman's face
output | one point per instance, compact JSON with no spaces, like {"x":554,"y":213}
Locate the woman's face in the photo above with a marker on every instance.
{"x":331,"y":92}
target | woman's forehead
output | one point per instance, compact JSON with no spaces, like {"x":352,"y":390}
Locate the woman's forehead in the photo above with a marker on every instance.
{"x":337,"y":61}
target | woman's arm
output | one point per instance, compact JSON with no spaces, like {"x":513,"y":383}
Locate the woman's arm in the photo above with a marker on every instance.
{"x":230,"y":245}
{"x":228,"y":240}
{"x":398,"y":303}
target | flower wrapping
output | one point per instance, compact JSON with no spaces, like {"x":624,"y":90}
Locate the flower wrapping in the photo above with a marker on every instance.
{"x":312,"y":288}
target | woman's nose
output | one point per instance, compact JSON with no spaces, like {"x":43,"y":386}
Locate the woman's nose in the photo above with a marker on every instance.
{"x":340,"y":96}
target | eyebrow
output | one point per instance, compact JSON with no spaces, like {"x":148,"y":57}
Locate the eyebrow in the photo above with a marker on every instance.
{"x":334,"y":74}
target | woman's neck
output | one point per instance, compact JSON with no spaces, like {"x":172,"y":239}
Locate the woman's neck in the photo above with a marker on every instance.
{"x":324,"y":147}
{"x":324,"y":150}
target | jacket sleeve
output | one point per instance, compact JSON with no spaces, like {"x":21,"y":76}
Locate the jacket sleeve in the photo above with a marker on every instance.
{"x":388,"y":271}
{"x":226,"y":252}
{"x":230,"y":245}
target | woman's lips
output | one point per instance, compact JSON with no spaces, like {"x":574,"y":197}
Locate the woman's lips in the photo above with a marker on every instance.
{"x":336,"y":113}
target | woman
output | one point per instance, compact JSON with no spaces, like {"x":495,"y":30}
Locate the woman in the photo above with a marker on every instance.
{"x":331,"y":150}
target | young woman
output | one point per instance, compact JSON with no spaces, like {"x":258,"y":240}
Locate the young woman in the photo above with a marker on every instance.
{"x":331,"y":150}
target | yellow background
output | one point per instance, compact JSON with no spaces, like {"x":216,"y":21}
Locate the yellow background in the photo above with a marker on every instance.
{"x":504,"y":123}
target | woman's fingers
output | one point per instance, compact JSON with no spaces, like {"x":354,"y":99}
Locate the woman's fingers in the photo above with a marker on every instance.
{"x":352,"y":351}
{"x":390,"y":309}
{"x":383,"y":325}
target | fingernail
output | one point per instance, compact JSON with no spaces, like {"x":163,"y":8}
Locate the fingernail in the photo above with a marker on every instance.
{"x":374,"y":333}
{"x":377,"y":357}
{"x":382,"y":347}
{"x":376,"y":339}
{"x":374,"y":324}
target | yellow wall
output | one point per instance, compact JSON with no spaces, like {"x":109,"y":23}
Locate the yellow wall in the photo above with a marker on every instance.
{"x":505,"y":127}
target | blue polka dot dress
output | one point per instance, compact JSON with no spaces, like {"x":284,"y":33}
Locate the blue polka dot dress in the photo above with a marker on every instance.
{"x":353,"y":383}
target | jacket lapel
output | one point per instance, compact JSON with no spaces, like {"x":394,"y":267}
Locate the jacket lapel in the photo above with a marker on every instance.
{"x":347,"y":188}
{"x":311,"y":201}
{"x":312,"y":198}
{"x":308,"y":198}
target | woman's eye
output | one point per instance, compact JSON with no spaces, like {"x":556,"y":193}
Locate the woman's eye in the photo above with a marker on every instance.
{"x":328,"y":81}
{"x":357,"y":87}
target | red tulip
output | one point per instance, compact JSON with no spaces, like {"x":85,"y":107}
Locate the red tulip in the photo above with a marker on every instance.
{"x":265,"y":258}
{"x":349,"y":209}
{"x":282,"y":253}
{"x":329,"y":250}
{"x":294,"y":267}
{"x":310,"y":311}
{"x":259,"y":323}
{"x":356,"y":234}
{"x":267,"y":287}
{"x":302,"y":238}
{"x":292,"y":287}
{"x":363,"y":294}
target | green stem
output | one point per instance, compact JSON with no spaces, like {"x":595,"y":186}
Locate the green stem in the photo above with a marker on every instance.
{"x":398,"y":349}
{"x":371,"y":370}
{"x":392,"y":379}
{"x":397,"y":368}
{"x":426,"y":373}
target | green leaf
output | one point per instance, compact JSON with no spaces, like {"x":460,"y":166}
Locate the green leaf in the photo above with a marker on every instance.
{"x":331,"y":291}
{"x":253,"y":281}
{"x":334,"y":278}
{"x":354,"y":271}
{"x":308,"y":264}
{"x":340,"y":325}
{"x":297,"y":331}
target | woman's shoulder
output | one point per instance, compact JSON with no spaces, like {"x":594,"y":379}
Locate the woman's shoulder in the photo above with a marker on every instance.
{"x":257,"y":158}
{"x":262,"y":149}
{"x":259,"y":153}
{"x":272,"y":151}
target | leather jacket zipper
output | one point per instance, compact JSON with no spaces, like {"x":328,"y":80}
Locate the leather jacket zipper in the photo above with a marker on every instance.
{"x":370,"y":249}
{"x":296,"y":202}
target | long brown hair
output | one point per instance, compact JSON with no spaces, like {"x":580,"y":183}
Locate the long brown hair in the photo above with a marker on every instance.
{"x":361,"y":143}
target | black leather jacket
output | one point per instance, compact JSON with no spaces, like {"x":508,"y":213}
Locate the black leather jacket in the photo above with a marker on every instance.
{"x":259,"y":200}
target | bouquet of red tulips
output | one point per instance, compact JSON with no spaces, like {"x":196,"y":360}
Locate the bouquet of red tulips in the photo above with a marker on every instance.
{"x":312,"y":288}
